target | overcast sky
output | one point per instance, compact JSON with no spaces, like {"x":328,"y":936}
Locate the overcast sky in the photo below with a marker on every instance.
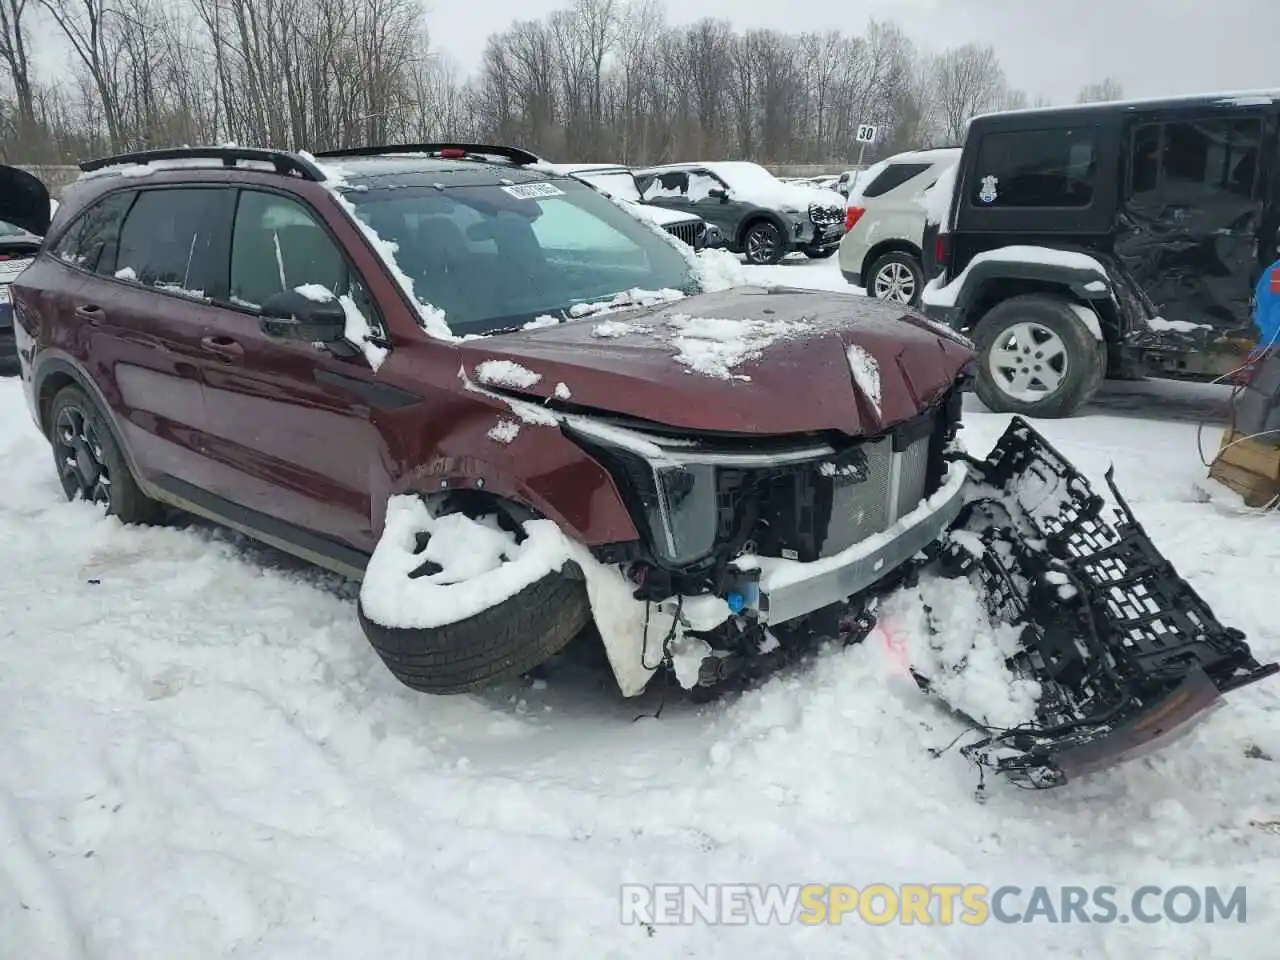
{"x":1049,"y":47}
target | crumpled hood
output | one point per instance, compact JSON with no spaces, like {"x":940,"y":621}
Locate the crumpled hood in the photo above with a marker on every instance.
{"x":747,"y":360}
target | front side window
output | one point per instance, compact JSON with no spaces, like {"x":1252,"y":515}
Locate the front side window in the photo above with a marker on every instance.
{"x":170,"y":240}
{"x":90,"y":243}
{"x":1035,"y":168}
{"x":493,"y":257}
{"x":277,"y":245}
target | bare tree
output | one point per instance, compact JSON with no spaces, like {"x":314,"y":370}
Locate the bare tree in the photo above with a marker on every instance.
{"x":965,"y":81}
{"x":1106,"y":90}
{"x":13,"y":55}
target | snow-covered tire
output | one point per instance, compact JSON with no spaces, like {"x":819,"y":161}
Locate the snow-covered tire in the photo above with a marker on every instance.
{"x":78,"y":430}
{"x":1018,"y":338}
{"x":897,"y":277}
{"x":763,"y":243}
{"x":496,"y":645}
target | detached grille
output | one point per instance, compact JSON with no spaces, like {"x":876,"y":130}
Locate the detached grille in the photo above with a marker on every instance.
{"x":690,"y":233}
{"x":825,"y":216}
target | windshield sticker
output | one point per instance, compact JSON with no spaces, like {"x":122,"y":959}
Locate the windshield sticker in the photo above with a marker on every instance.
{"x":532,"y":191}
{"x":988,"y":192}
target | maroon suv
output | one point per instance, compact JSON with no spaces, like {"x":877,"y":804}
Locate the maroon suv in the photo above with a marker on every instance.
{"x":509,"y":406}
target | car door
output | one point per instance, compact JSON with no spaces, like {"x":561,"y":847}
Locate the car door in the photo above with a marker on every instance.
{"x":132,"y":267}
{"x":713,"y":200}
{"x":1191,"y":218}
{"x":288,"y":427}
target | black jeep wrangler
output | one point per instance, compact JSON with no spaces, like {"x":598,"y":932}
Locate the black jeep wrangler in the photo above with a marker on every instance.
{"x":1117,"y":240}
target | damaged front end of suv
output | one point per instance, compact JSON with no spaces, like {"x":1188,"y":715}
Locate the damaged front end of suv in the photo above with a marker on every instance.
{"x":754,"y":551}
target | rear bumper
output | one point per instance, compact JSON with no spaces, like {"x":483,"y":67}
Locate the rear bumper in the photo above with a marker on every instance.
{"x":789,"y":589}
{"x":852,"y":277}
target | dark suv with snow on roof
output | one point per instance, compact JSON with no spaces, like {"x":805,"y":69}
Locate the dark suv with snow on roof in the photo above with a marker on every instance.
{"x":1108,"y":240}
{"x":511,"y":409}
{"x":759,"y":215}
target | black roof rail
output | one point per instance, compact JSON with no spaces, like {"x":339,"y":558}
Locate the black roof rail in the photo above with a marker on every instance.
{"x":477,"y":151}
{"x":285,"y":163}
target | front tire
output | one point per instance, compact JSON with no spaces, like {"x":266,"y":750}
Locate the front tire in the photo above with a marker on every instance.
{"x":819,"y":253}
{"x":763,"y":243}
{"x":500,"y":639}
{"x":90,"y":463}
{"x":1037,"y":358}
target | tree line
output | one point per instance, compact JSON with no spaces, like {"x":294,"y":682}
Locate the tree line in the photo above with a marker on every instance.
{"x":599,"y":80}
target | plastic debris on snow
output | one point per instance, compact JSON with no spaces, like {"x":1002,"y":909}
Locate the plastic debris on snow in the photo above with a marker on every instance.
{"x":866,"y":373}
{"x":506,"y":373}
{"x":939,"y":294}
{"x":482,"y":565}
{"x":714,"y":348}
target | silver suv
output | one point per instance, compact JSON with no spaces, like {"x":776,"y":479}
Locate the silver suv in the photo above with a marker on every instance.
{"x":884,"y":225}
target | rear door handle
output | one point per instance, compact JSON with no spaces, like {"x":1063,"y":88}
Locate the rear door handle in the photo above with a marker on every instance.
{"x":224,"y":348}
{"x":90,"y":313}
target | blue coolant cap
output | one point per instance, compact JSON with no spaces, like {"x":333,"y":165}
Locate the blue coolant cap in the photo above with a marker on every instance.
{"x":735,"y":601}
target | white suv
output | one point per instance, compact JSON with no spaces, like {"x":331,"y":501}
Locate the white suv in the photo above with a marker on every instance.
{"x":884,"y":225}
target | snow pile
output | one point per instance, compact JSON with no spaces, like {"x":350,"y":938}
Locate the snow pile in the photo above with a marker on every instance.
{"x":127,"y":273}
{"x":614,"y":328}
{"x":315,"y":292}
{"x":504,"y":431}
{"x":948,"y":637}
{"x":626,"y":299}
{"x":1178,"y":326}
{"x":506,"y":373}
{"x":866,"y":373}
{"x":562,"y":391}
{"x":719,"y":270}
{"x":939,"y":294}
{"x":752,"y":182}
{"x":359,"y":332}
{"x":937,"y":199}
{"x":714,"y":348}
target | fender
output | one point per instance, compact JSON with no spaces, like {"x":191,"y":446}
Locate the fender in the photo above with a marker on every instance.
{"x":1085,"y":285}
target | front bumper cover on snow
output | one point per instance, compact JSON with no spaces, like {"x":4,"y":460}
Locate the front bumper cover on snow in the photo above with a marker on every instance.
{"x":1127,"y":655}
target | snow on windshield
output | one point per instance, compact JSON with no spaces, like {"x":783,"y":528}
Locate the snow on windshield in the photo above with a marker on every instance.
{"x":621,"y":185}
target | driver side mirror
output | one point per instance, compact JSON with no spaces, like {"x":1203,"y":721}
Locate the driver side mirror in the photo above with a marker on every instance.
{"x":309,"y":314}
{"x":718,"y":194}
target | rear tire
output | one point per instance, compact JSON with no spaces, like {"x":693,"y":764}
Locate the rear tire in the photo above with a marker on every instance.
{"x":79,"y":432}
{"x":896,"y":277}
{"x":1037,"y":358}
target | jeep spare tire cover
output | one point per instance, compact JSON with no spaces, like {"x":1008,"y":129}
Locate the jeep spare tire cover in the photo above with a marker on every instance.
{"x":24,"y":201}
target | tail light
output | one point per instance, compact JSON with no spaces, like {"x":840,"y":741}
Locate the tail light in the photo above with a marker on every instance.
{"x":452,"y":153}
{"x":851,"y":217}
{"x":940,"y":249}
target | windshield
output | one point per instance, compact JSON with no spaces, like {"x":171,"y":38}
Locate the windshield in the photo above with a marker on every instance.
{"x":9,"y":230}
{"x":621,"y":184}
{"x":493,"y":258}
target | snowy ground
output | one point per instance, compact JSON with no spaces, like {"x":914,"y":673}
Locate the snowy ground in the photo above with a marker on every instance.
{"x":202,"y":758}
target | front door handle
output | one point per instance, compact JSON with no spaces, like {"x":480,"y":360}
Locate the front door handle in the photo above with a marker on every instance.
{"x":90,"y":313}
{"x":224,"y":348}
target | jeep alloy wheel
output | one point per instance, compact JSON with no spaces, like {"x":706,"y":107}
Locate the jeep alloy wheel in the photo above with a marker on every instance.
{"x":1029,"y":361}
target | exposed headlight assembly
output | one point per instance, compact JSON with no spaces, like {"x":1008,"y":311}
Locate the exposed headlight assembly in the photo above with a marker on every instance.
{"x":672,"y":484}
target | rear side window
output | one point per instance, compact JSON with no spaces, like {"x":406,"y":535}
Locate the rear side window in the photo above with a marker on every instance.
{"x":1035,"y":168}
{"x":894,"y":175}
{"x":90,"y":243}
{"x":1197,"y":159}
{"x":170,"y":240}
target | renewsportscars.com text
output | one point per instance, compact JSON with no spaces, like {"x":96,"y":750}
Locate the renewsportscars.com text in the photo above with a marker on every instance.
{"x":926,"y":904}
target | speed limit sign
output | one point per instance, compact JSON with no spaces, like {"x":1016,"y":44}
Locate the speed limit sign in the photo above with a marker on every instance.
{"x":866,"y":133}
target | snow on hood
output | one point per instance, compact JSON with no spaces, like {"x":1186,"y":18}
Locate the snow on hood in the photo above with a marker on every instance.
{"x":747,"y":360}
